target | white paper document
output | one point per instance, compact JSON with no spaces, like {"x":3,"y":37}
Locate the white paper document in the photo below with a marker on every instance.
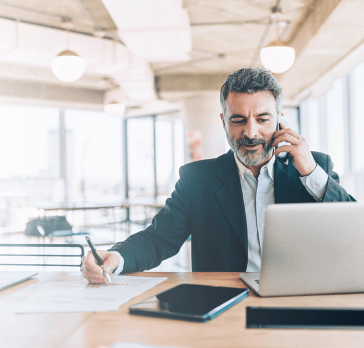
{"x":135,"y":345}
{"x":81,"y":296}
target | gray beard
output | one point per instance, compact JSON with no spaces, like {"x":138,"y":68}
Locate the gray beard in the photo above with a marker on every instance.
{"x":250,"y":158}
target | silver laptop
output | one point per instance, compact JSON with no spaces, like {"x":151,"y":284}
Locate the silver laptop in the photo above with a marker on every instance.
{"x":311,"y":249}
{"x":11,"y":278}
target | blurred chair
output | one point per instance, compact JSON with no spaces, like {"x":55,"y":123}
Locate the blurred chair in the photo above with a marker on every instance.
{"x":74,"y":237}
{"x":44,"y":255}
{"x":61,"y":233}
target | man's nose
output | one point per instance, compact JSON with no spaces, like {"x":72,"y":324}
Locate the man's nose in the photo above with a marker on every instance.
{"x":251,"y":129}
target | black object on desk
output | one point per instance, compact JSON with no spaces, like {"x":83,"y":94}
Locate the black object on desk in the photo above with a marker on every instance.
{"x":293,"y":318}
{"x":190,"y":302}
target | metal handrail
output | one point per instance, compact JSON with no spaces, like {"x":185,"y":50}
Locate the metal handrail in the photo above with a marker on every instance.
{"x":43,"y":255}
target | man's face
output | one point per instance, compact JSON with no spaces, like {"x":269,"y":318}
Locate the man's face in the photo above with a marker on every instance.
{"x":250,"y":121}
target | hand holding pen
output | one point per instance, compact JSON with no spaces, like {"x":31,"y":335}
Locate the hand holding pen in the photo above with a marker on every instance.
{"x":97,"y":266}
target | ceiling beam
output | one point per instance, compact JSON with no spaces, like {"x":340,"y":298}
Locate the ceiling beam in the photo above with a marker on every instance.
{"x":44,"y":94}
{"x":191,"y":82}
{"x":97,"y":13}
{"x":330,"y":31}
{"x":315,"y":17}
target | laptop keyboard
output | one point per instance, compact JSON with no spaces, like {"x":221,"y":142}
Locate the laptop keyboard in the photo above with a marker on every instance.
{"x":7,"y":280}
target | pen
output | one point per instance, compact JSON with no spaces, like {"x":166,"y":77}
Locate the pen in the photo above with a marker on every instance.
{"x":98,"y":260}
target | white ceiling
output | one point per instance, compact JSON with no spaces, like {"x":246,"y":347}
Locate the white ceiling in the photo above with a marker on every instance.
{"x":157,"y":30}
{"x":230,"y":28}
{"x":196,"y":43}
{"x":322,"y":32}
{"x":50,"y":13}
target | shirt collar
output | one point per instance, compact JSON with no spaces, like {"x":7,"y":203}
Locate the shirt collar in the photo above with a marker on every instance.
{"x":244,"y":170}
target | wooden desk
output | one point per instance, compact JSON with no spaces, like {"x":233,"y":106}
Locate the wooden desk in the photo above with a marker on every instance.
{"x":227,"y":330}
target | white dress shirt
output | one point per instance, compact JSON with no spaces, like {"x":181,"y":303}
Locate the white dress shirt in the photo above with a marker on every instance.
{"x":120,"y":267}
{"x":257,"y":195}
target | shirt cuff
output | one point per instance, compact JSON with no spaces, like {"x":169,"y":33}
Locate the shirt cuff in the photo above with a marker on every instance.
{"x":120,"y":268}
{"x":316,"y":183}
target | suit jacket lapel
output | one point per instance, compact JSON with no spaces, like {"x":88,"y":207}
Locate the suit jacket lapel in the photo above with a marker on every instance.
{"x":230,"y":197}
{"x":287,"y":185}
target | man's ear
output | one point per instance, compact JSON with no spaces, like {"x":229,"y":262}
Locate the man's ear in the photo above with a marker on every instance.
{"x":222,"y":119}
{"x":279,"y":115}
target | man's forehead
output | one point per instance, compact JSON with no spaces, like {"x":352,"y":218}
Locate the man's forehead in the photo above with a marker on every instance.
{"x":261,"y":96}
{"x":261,"y":99}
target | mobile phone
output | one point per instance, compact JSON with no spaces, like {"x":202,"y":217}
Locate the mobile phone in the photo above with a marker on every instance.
{"x":283,"y":156}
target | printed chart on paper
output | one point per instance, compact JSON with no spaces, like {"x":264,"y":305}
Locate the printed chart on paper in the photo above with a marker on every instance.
{"x":81,"y":296}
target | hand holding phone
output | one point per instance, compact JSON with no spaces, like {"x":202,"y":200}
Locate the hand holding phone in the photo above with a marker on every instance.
{"x":282,"y":156}
{"x":292,"y":145}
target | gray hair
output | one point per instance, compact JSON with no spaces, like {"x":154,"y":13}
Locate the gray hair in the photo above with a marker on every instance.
{"x":252,"y":80}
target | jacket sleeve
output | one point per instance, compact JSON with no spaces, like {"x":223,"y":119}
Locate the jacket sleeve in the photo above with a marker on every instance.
{"x":334,"y":192}
{"x":163,"y":238}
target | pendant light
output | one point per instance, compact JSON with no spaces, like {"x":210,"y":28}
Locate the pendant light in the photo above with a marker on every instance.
{"x":278,"y":56}
{"x":114,"y":108}
{"x":114,"y":100}
{"x":68,"y":66}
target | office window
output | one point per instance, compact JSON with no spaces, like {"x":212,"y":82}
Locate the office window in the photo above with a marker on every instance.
{"x":152,"y":175}
{"x":322,"y":123}
{"x":291,"y":115}
{"x":357,"y":117}
{"x":311,"y":119}
{"x":314,"y":121}
{"x":179,"y":146}
{"x":335,"y":125}
{"x":29,"y":156}
{"x":339,"y":112}
{"x":169,"y":153}
{"x":94,"y":153}
{"x":29,"y":141}
{"x":140,"y":147}
{"x":164,"y":156}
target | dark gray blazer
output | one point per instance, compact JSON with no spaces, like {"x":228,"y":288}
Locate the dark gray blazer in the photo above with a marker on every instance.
{"x":207,"y":204}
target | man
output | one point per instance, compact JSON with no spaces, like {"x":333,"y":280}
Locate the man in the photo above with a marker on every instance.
{"x":220,"y":202}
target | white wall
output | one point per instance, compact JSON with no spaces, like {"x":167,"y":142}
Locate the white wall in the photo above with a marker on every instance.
{"x":202,"y":112}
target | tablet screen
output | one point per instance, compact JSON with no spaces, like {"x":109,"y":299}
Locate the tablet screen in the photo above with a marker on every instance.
{"x":190,"y":300}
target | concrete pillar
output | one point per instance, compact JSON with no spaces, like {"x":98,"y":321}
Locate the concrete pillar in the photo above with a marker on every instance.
{"x":202,"y":112}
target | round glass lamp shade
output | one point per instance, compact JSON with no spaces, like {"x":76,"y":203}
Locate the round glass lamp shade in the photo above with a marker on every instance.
{"x":277,"y":57}
{"x":68,"y":66}
{"x":114,"y":108}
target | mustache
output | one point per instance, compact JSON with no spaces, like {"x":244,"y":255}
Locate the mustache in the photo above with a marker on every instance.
{"x":248,"y":141}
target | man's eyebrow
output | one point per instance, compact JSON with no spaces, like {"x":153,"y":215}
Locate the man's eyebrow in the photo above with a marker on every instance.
{"x":236,"y":116}
{"x":266,"y":113}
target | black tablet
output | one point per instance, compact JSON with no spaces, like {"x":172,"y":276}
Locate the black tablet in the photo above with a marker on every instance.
{"x":190,"y":302}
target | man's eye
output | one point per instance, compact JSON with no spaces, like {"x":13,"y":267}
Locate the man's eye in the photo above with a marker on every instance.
{"x":238,"y":121}
{"x":263,"y":120}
